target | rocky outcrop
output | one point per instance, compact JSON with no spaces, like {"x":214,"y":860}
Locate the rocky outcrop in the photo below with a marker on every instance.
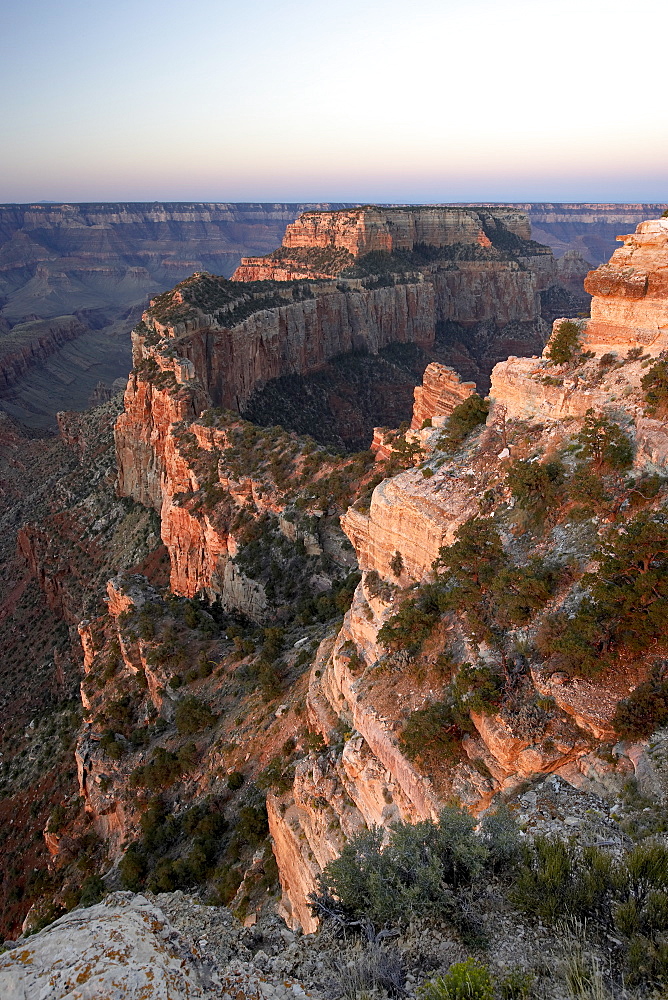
{"x":410,"y":515}
{"x":495,"y":290}
{"x":630,"y":294}
{"x":299,"y":338}
{"x":240,"y":337}
{"x":363,"y":230}
{"x":142,"y":434}
{"x":629,"y":312}
{"x":557,"y":723}
{"x":123,"y":949}
{"x":441,"y":391}
{"x":287,"y":267}
{"x":56,"y":259}
{"x":73,"y":279}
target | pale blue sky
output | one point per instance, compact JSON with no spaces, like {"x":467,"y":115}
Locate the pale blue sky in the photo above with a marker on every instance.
{"x":339,"y":100}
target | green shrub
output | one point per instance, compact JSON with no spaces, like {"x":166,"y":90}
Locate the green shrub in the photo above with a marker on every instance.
{"x":379,"y":588}
{"x":414,"y":621}
{"x":476,"y":556}
{"x":641,"y":913}
{"x":481,"y":585}
{"x":537,"y":487}
{"x":235,"y":780}
{"x":133,"y":868}
{"x":604,"y":443}
{"x":252,"y":826}
{"x":627,"y":604}
{"x":92,"y":890}
{"x":397,"y":563}
{"x":226,"y":881}
{"x":517,"y":985}
{"x":558,"y":881}
{"x":501,"y":837}
{"x":192,"y":715}
{"x":646,"y":708}
{"x":162,"y":770}
{"x":111,"y":746}
{"x":655,"y":386}
{"x":188,"y":757}
{"x":587,"y":488}
{"x":469,"y":980}
{"x":433,"y":735}
{"x":278,"y":775}
{"x":520,"y":591}
{"x":464,"y":418}
{"x":564,"y":343}
{"x":420,"y":870}
{"x":358,"y":972}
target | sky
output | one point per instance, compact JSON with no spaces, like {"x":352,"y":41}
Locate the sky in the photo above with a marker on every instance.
{"x":333,"y":100}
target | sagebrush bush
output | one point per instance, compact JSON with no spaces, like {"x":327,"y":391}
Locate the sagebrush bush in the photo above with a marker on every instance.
{"x":419,"y":871}
{"x":469,"y":980}
{"x":361,"y":969}
{"x":517,"y":985}
{"x":559,"y":880}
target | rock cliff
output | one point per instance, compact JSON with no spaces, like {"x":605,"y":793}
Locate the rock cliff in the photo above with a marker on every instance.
{"x":32,"y":342}
{"x":630,"y":294}
{"x":493,"y":285}
{"x":323,"y":244}
{"x":441,"y":391}
{"x":83,"y":272}
{"x":588,"y":230}
{"x":551,"y":719}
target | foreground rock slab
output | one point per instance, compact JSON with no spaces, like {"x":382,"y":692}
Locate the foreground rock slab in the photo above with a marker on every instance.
{"x":121,"y":949}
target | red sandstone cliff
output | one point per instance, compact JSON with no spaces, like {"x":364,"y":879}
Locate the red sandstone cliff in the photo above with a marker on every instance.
{"x":321,"y":244}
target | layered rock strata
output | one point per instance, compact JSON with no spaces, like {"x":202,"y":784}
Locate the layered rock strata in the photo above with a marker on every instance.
{"x":441,"y":391}
{"x":30,"y":343}
{"x":83,"y":272}
{"x":629,"y":312}
{"x":589,"y":230}
{"x":237,"y":337}
{"x":411,"y":516}
{"x":630,"y":294}
{"x":346,"y":235}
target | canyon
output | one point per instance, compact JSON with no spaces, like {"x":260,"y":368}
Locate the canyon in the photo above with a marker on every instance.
{"x":89,"y":269}
{"x":75,"y":277}
{"x":268,"y":536}
{"x":475,"y":292}
{"x":398,"y":538}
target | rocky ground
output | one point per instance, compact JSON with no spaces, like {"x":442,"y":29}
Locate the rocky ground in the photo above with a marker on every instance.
{"x":174,"y":945}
